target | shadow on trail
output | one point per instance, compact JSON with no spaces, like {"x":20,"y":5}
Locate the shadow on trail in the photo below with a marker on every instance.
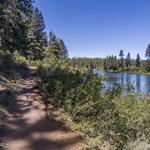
{"x":28,"y":126}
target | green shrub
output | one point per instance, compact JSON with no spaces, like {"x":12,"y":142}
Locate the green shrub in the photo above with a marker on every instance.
{"x":141,"y":143}
{"x":12,"y":65}
{"x":5,"y":60}
{"x":20,"y":60}
{"x":107,"y":114}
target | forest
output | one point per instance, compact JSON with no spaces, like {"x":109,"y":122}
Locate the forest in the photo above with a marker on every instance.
{"x":104,"y":117}
{"x":114,"y":63}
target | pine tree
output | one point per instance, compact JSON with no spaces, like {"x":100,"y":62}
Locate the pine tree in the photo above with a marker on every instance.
{"x":9,"y":25}
{"x":22,"y":28}
{"x":2,"y":22}
{"x":53,"y":45}
{"x":52,"y":38}
{"x":121,"y":58}
{"x":105,"y":65}
{"x":138,"y":61}
{"x":128,"y":61}
{"x":147,"y":54}
{"x":37,"y":40}
{"x":27,"y":28}
{"x":63,"y":50}
{"x":27,"y":8}
{"x":56,"y":46}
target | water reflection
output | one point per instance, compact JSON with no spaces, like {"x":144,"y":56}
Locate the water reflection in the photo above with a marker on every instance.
{"x":140,"y":83}
{"x":147,"y":84}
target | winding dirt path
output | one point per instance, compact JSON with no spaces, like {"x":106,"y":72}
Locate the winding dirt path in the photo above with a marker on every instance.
{"x":28,"y":128}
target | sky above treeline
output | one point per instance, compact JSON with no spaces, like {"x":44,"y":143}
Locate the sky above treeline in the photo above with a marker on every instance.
{"x":97,"y":28}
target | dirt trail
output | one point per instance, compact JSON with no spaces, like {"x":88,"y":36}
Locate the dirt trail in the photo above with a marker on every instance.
{"x":28,"y":128}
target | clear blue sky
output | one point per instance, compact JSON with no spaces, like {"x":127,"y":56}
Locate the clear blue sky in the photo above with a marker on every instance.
{"x":97,"y":28}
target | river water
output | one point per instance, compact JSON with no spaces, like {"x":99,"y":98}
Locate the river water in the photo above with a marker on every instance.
{"x":140,"y":83}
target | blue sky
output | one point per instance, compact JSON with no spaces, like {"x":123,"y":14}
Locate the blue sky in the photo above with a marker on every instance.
{"x":97,"y":28}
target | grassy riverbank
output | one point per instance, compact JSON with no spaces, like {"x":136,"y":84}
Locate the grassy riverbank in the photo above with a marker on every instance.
{"x":130,"y":72}
{"x":139,"y":72}
{"x":106,"y":117}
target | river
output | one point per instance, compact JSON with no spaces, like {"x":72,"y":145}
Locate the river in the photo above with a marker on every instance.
{"x":140,"y":83}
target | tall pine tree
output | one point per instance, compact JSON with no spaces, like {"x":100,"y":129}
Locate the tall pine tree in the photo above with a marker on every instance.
{"x":138,"y":61}
{"x":56,"y":46}
{"x":9,"y":25}
{"x":128,"y":61}
{"x":40,"y":40}
{"x":63,"y":50}
{"x":121,"y":59}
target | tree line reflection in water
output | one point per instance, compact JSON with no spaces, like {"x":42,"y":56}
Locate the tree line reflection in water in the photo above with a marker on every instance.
{"x":139,"y":83}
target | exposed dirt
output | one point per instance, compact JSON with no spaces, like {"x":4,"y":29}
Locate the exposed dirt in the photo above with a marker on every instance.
{"x":29,"y":128}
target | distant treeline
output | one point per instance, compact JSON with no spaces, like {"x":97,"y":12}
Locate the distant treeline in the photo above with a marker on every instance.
{"x":87,"y":62}
{"x":111,"y":62}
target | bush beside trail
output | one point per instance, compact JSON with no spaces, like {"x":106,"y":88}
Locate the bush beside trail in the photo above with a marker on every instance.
{"x":103,"y":115}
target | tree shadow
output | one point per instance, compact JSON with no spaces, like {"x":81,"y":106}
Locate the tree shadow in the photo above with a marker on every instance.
{"x":39,"y":132}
